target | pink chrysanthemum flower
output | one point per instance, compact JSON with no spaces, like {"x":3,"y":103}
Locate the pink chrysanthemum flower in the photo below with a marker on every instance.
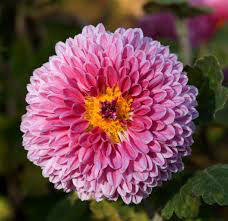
{"x":219,"y":7}
{"x":110,"y":115}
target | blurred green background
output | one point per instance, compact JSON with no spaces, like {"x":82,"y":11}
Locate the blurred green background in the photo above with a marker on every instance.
{"x":29,"y":31}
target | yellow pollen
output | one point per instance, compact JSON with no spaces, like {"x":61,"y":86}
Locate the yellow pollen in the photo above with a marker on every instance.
{"x":114,"y":128}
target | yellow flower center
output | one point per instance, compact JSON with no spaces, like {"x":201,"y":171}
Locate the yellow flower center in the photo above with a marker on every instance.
{"x":108,"y":111}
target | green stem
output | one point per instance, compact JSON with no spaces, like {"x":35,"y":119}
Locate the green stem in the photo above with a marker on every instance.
{"x":183,"y":35}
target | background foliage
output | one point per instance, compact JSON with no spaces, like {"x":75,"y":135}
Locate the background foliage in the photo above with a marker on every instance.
{"x":29,"y":31}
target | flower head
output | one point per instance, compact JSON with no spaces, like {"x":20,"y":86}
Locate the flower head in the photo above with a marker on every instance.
{"x":110,"y":115}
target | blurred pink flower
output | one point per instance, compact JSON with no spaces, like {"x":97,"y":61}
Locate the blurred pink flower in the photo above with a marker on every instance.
{"x":219,"y":7}
{"x":200,"y":28}
{"x":110,"y":115}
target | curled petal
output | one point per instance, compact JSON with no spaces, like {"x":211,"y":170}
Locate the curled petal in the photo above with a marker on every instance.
{"x":79,"y":126}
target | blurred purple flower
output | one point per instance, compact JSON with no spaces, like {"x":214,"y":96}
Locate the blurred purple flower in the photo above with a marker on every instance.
{"x":163,"y":25}
{"x":159,"y":25}
{"x":201,"y":29}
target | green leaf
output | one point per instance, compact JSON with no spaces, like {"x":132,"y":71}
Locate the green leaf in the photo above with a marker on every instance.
{"x":207,"y":76}
{"x":68,"y":210}
{"x":180,"y":8}
{"x":211,"y":184}
{"x":218,"y":45}
{"x":116,"y":211}
{"x":183,"y":204}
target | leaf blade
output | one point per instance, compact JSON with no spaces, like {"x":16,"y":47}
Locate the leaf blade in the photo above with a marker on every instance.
{"x":207,"y":76}
{"x":211,"y":184}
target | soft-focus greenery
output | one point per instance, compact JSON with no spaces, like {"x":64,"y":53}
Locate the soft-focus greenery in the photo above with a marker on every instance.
{"x":29,"y":31}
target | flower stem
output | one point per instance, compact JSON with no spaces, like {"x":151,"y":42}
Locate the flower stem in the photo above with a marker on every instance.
{"x":185,"y":46}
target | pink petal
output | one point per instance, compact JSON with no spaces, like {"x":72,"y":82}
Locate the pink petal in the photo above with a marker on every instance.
{"x":159,"y":96}
{"x":169,"y":117}
{"x":128,"y":51}
{"x":168,"y":132}
{"x":114,"y":177}
{"x":147,"y":122}
{"x":90,"y":80}
{"x":145,"y":136}
{"x":101,"y":82}
{"x":134,"y":77}
{"x":158,"y":80}
{"x":158,"y":112}
{"x":90,"y":67}
{"x":112,"y":76}
{"x":74,"y":93}
{"x":143,"y":110}
{"x":78,"y":109}
{"x":166,"y":151}
{"x":68,"y":71}
{"x":145,"y":100}
{"x":84,"y":139}
{"x":135,"y":90}
{"x":68,"y":117}
{"x":137,"y":125}
{"x":155,"y":146}
{"x":139,"y":145}
{"x":129,"y":150}
{"x":125,"y":84}
{"x":158,"y":159}
{"x":115,"y":160}
{"x":79,"y":126}
{"x":140,"y":163}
